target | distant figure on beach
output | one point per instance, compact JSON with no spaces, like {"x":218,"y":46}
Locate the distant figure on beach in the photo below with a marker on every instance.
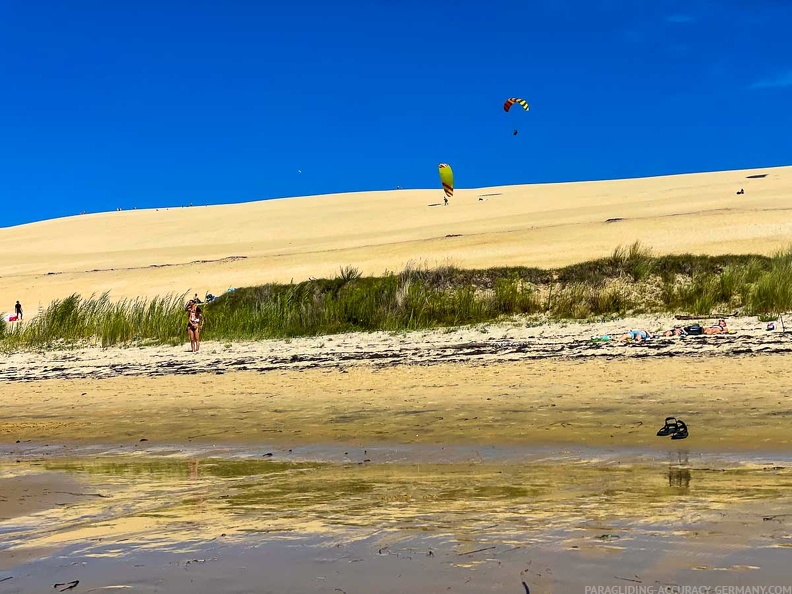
{"x":637,"y":335}
{"x":194,"y":325}
{"x":741,"y":192}
{"x":445,"y":200}
{"x":696,"y":329}
{"x":194,"y":301}
{"x":676,"y":331}
{"x":719,"y":328}
{"x":18,"y":310}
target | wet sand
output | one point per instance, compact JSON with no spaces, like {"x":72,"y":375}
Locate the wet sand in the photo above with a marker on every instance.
{"x":402,"y":479}
{"x":324,"y":470}
{"x":740,"y":402}
{"x":25,"y":492}
{"x":557,"y":523}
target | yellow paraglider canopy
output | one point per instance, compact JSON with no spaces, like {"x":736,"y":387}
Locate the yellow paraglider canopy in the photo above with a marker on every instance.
{"x":446,"y":178}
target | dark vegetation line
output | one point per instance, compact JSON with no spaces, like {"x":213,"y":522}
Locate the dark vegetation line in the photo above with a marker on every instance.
{"x":630,"y":281}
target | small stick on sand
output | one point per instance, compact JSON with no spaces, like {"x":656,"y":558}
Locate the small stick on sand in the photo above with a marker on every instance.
{"x":477,"y":551}
{"x":628,"y":579}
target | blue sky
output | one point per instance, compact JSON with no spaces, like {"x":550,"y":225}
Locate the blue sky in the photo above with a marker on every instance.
{"x":157,"y":103}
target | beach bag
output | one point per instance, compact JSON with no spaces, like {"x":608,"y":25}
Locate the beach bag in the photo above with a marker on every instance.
{"x":694,"y":330}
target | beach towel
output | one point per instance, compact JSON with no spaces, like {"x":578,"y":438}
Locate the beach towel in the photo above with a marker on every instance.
{"x":10,"y":318}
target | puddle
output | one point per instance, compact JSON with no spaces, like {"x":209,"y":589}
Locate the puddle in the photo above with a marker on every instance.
{"x":173,"y":500}
{"x":700,"y":513}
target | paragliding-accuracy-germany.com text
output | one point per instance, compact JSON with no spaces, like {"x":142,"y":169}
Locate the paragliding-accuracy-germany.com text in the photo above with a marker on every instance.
{"x":675,"y":589}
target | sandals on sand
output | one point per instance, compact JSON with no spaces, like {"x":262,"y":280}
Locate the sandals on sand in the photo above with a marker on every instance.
{"x":681,"y":432}
{"x":669,"y":427}
{"x":676,"y":428}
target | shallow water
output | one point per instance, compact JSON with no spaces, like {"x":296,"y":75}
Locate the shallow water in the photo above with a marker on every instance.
{"x":666,"y":514}
{"x":423,"y":478}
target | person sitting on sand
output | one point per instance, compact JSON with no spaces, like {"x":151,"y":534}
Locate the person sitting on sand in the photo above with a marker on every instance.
{"x":637,"y":335}
{"x":194,"y":324}
{"x":719,"y":328}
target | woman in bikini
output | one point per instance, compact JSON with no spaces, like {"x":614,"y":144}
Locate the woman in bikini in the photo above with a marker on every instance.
{"x":194,"y":325}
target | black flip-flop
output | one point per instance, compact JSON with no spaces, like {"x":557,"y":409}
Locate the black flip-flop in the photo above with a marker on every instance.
{"x":681,"y":432}
{"x":668,"y":428}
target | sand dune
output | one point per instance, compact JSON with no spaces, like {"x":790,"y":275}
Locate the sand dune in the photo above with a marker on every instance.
{"x":496,"y":388}
{"x":150,"y":252}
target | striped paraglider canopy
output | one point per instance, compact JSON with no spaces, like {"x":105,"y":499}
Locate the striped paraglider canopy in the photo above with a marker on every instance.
{"x":446,"y":178}
{"x":509,"y":102}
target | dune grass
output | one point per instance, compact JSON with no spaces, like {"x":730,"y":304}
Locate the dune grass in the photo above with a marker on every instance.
{"x":630,"y":281}
{"x":99,"y":321}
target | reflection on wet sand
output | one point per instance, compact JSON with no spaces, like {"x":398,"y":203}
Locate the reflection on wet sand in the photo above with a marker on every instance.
{"x":679,"y":477}
{"x":648,"y":513}
{"x":173,"y":501}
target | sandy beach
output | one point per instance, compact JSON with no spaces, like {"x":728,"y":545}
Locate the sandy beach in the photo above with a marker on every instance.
{"x":515,"y":456}
{"x":143,"y":253}
{"x":288,"y":466}
{"x":381,"y":298}
{"x":728,"y":401}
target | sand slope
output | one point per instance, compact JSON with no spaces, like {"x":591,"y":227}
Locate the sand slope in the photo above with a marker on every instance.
{"x":150,"y":252}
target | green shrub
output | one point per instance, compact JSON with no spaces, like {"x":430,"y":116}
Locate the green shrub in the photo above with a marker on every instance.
{"x":631,"y":280}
